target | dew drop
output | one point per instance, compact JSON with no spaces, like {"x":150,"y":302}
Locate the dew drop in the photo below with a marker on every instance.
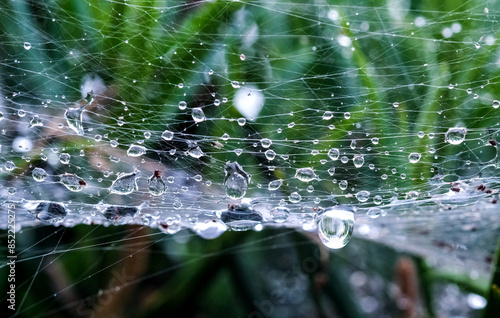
{"x":167,"y":135}
{"x":195,"y":151}
{"x":120,"y":214}
{"x":280,"y":214}
{"x":242,"y":121}
{"x":198,"y":115}
{"x":50,"y":212}
{"x":9,"y":165}
{"x":235,"y":84}
{"x":358,"y":161}
{"x":236,"y":180}
{"x":334,"y":154}
{"x":270,"y":154}
{"x":275,"y":185}
{"x":305,"y":174}
{"x":241,"y":218}
{"x":125,"y":183}
{"x":347,"y":115}
{"x":343,"y":184}
{"x":209,"y":230}
{"x":136,"y":150}
{"x":266,"y":143}
{"x":64,"y":158}
{"x":327,"y":115}
{"x":363,"y":196}
{"x":27,"y":45}
{"x":156,"y":184}
{"x":375,"y":140}
{"x":36,"y":121}
{"x":331,"y":171}
{"x":374,"y":212}
{"x":74,"y":118}
{"x":39,"y":174}
{"x":414,"y":157}
{"x":294,"y":197}
{"x":495,"y":104}
{"x":182,"y":105}
{"x":72,"y":182}
{"x":216,"y":102}
{"x":335,"y":227}
{"x":456,"y":135}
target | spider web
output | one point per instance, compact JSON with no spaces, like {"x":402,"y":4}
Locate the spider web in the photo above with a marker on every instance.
{"x":389,"y":110}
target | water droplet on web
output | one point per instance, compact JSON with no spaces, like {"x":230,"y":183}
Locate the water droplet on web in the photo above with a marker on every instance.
{"x":1,"y":116}
{"x":495,"y":104}
{"x":331,"y":171}
{"x":72,"y":182}
{"x":327,"y":115}
{"x":335,"y":227}
{"x":235,"y":84}
{"x":477,"y":45}
{"x":363,"y":196}
{"x":39,"y":174}
{"x":125,"y":184}
{"x":171,"y":224}
{"x":275,"y":185}
{"x":266,"y":143}
{"x":358,"y":161}
{"x":194,"y":150}
{"x":395,"y":104}
{"x":49,"y":212}
{"x":294,"y":197}
{"x":421,"y":134}
{"x":377,"y":199}
{"x":120,"y":214}
{"x":353,"y":144}
{"x":147,"y":134}
{"x":242,"y":57}
{"x":136,"y":150}
{"x":9,"y":165}
{"x":209,"y":230}
{"x":225,"y":136}
{"x":156,"y":184}
{"x":334,"y":154}
{"x":455,"y":136}
{"x":27,"y":45}
{"x":180,"y":85}
{"x":167,"y":135}
{"x":270,"y":154}
{"x":347,"y":115}
{"x":216,"y":102}
{"x":241,"y":217}
{"x":64,"y":158}
{"x":374,"y":212}
{"x":242,"y":121}
{"x":236,"y":180}
{"x":74,"y":118}
{"x":414,"y":157}
{"x":36,"y":121}
{"x":182,"y":105}
{"x":343,"y":184}
{"x":198,"y":115}
{"x":305,"y":174}
{"x":375,"y":140}
{"x":279,"y":214}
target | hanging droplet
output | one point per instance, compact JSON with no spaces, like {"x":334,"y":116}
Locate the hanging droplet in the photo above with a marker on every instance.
{"x":120,"y":214}
{"x":236,"y":180}
{"x":39,"y":174}
{"x":305,"y":174}
{"x":9,"y":166}
{"x":270,"y":154}
{"x":280,"y":214}
{"x":74,"y":119}
{"x":374,"y":212}
{"x":64,"y":158}
{"x":358,"y":161}
{"x":334,"y":154}
{"x":363,"y":196}
{"x":495,"y":104}
{"x":235,"y":84}
{"x":136,"y":150}
{"x":294,"y":197}
{"x":455,"y":136}
{"x":125,"y":184}
{"x":242,"y":121}
{"x":414,"y":157}
{"x":72,"y":182}
{"x":36,"y":121}
{"x":209,"y":230}
{"x":327,"y":115}
{"x":335,"y":227}
{"x":331,"y":171}
{"x":241,"y":217}
{"x":343,"y":184}
{"x":171,"y":224}
{"x":49,"y":212}
{"x":167,"y":135}
{"x":266,"y":142}
{"x":198,"y":115}
{"x":182,"y":105}
{"x":275,"y":185}
{"x":27,"y":45}
{"x":194,"y":150}
{"x":156,"y":184}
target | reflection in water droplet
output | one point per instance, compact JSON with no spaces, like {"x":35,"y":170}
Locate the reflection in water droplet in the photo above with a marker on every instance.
{"x":327,"y":115}
{"x":136,"y":151}
{"x":294,"y":197}
{"x":236,"y":180}
{"x":241,"y":218}
{"x":171,"y":224}
{"x":343,"y":184}
{"x":27,"y":45}
{"x":72,"y":182}
{"x":358,"y":161}
{"x":156,"y":184}
{"x":36,"y":121}
{"x":167,"y":135}
{"x":64,"y":158}
{"x":275,"y":185}
{"x":335,"y":227}
{"x":49,"y":212}
{"x":270,"y":154}
{"x":120,"y":214}
{"x":125,"y":184}
{"x":209,"y":230}
{"x":280,"y":214}
{"x":195,"y":151}
{"x":414,"y":157}
{"x":305,"y":174}
{"x":455,"y":136}
{"x":363,"y":196}
{"x":266,"y":143}
{"x":39,"y":174}
{"x":334,"y":154}
{"x":74,"y":118}
{"x":374,"y":212}
{"x":198,"y":115}
{"x":9,"y":165}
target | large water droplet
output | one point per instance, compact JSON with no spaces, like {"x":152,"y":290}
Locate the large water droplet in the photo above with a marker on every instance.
{"x":156,"y":184}
{"x":456,"y":135}
{"x":120,"y":214}
{"x":236,"y":180}
{"x":136,"y":150}
{"x":50,"y":212}
{"x":275,"y":185}
{"x":194,"y":150}
{"x":9,"y":166}
{"x":125,"y":184}
{"x":198,"y":115}
{"x":266,"y":142}
{"x":280,"y":214}
{"x":334,"y":154}
{"x":72,"y":182}
{"x":171,"y":224}
{"x":209,"y":230}
{"x":414,"y":157}
{"x":335,"y":227}
{"x":39,"y":174}
{"x":64,"y":158}
{"x":363,"y":196}
{"x":74,"y":118}
{"x":343,"y":184}
{"x":294,"y":197}
{"x":358,"y":161}
{"x":270,"y":154}
{"x":241,"y":217}
{"x":167,"y":135}
{"x":305,"y":174}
